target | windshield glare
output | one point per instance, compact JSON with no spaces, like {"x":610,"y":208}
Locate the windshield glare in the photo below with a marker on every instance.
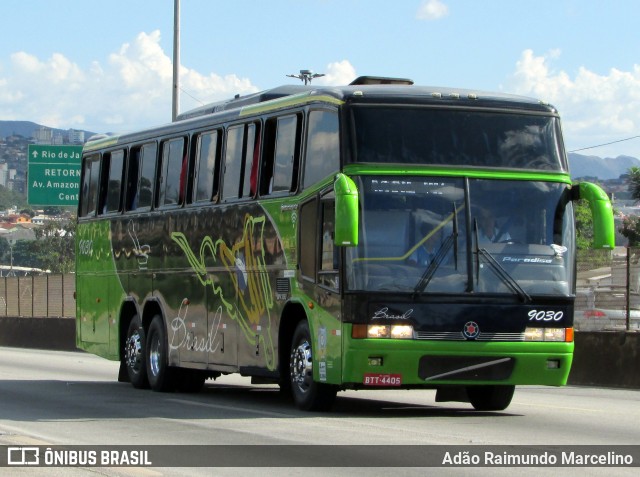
{"x":440,"y":235}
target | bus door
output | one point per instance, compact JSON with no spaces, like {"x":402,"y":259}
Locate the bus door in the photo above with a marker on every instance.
{"x":319,"y":265}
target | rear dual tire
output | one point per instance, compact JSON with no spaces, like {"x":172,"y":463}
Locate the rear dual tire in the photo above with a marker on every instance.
{"x":146,"y":360}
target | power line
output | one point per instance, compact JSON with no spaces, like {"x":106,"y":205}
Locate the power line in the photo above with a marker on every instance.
{"x":191,"y":96}
{"x":606,"y":144}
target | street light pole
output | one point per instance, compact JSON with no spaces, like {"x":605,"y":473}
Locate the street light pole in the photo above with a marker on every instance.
{"x":176,"y":60}
{"x":12,"y":242}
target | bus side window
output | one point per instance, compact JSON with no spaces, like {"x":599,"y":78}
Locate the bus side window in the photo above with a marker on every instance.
{"x":328,"y":274}
{"x":250,"y":163}
{"x":172,"y":177}
{"x":233,"y":163}
{"x":90,"y":183}
{"x":132,"y":179}
{"x":142,"y":190}
{"x":111,"y":182}
{"x":322,"y":156}
{"x":207,"y":166}
{"x":243,"y":146}
{"x":308,"y":239}
{"x":281,"y":155}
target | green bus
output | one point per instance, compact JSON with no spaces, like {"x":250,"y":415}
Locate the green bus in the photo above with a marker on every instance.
{"x":379,"y":235}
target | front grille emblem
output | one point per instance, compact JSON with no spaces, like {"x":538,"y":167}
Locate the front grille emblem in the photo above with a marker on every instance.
{"x":471,"y":330}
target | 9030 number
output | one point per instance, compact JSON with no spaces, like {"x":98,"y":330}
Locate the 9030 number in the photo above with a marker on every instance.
{"x":541,"y":315}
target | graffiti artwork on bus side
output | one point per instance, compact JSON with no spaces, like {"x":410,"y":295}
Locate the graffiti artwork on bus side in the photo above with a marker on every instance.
{"x":244,"y":261}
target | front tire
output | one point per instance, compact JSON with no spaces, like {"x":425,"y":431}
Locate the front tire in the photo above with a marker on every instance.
{"x":490,"y":398}
{"x":133,"y":357}
{"x":308,"y":394}
{"x":159,"y":373}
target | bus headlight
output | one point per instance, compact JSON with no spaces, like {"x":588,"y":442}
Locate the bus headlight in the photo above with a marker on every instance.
{"x":402,"y":332}
{"x":548,"y":334}
{"x":397,"y":332}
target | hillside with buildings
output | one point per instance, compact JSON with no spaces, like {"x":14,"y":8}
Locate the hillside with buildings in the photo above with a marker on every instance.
{"x":20,"y":224}
{"x":15,"y":137}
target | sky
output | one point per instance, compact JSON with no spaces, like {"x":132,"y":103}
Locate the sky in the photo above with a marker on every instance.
{"x":106,"y":65}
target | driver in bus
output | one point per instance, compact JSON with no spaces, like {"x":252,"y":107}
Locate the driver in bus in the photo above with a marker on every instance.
{"x":427,"y":251}
{"x":488,"y":230}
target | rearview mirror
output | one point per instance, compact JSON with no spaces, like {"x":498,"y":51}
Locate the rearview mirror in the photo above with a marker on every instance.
{"x":346,"y":218}
{"x":600,"y":205}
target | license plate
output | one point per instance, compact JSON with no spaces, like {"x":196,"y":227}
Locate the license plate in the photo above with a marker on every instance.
{"x":371,"y":379}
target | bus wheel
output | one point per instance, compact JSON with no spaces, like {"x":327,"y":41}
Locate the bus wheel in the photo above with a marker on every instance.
{"x":308,"y":395}
{"x":133,"y":355}
{"x":490,"y":398}
{"x":160,"y":375}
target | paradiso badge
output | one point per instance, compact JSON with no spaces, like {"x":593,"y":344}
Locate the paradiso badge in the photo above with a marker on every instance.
{"x":471,"y":330}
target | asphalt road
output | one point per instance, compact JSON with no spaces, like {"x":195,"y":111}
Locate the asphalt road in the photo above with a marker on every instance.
{"x":64,"y":398}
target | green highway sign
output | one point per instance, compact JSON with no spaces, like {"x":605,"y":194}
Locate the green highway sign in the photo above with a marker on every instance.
{"x":54,"y":174}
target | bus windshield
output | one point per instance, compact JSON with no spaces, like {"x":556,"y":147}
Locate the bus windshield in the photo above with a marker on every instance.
{"x":458,"y":235}
{"x":457,"y":138}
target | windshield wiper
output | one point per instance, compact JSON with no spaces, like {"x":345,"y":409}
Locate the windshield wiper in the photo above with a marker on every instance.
{"x":433,"y":266}
{"x":498,"y":269}
{"x":451,"y":241}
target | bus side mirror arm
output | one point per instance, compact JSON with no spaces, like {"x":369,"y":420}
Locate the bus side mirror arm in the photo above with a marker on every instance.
{"x":347,"y":210}
{"x":602,"y":212}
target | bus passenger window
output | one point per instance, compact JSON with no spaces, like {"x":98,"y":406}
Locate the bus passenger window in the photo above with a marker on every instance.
{"x":132,"y":179}
{"x":141,"y":174}
{"x":323,"y":147}
{"x":208,"y":160}
{"x":90,"y":178}
{"x":113,"y":182}
{"x":280,"y":158}
{"x":250,"y":163}
{"x":170,"y":186}
{"x":147,"y":176}
{"x":233,"y":163}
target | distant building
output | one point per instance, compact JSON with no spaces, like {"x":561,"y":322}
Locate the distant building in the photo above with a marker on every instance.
{"x":7,"y":175}
{"x":76,"y":137}
{"x":43,"y":135}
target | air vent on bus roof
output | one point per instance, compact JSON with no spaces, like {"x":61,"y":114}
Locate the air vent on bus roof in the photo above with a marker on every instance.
{"x":361,"y":80}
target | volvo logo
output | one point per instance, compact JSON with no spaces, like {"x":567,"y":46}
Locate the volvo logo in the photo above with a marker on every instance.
{"x":471,"y":330}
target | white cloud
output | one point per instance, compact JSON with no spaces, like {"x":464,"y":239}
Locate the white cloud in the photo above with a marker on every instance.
{"x":130,"y":90}
{"x":338,"y":73}
{"x":432,"y":10}
{"x":595,"y":108}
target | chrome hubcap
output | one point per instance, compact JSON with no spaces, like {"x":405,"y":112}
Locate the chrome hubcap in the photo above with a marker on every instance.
{"x":155,"y":356}
{"x":133,"y":352}
{"x":302,"y":366}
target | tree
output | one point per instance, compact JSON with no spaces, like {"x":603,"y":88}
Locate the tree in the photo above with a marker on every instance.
{"x":630,"y":228}
{"x":9,"y":198}
{"x":633,"y":180}
{"x":54,"y":247}
{"x":584,"y":225}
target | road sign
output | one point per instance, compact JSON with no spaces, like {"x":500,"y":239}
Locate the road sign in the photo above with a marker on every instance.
{"x":54,"y":175}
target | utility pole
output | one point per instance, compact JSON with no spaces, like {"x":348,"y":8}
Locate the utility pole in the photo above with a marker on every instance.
{"x":176,"y":60}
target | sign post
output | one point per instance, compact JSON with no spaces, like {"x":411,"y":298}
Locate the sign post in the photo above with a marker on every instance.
{"x":54,"y":175}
